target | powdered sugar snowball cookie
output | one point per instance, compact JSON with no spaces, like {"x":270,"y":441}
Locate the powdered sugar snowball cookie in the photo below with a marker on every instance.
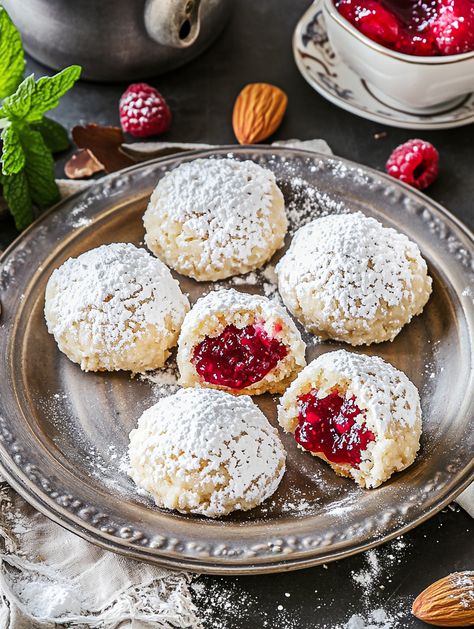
{"x":115,"y":307}
{"x":241,"y":343}
{"x":349,"y":278}
{"x":214,"y":218}
{"x":206,"y":452}
{"x":356,"y":412}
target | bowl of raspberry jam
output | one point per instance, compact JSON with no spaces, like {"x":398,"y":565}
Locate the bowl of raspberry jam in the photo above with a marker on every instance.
{"x":415,"y":54}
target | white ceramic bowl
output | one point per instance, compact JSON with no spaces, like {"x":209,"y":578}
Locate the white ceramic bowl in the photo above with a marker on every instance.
{"x":417,"y":83}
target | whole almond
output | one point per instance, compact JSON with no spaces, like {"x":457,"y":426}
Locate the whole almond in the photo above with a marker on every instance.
{"x":258,"y":112}
{"x":448,"y":602}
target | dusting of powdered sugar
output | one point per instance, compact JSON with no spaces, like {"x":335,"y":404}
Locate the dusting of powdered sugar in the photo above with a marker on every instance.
{"x":116,"y":289}
{"x":463,"y":582}
{"x":300,"y":506}
{"x":379,"y":563}
{"x":227,"y":602}
{"x":372,"y":580}
{"x":223,"y":604}
{"x":330,"y":254}
{"x":375,"y":619}
{"x":199,"y":439}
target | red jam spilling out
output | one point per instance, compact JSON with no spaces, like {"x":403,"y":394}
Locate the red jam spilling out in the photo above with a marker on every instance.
{"x":414,"y":27}
{"x":328,"y":425}
{"x":238,"y":357}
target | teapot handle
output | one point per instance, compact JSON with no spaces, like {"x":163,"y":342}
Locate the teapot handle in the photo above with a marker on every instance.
{"x":174,"y":23}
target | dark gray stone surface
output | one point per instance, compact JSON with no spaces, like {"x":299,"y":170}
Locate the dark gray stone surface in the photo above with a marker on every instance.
{"x":256,"y":46}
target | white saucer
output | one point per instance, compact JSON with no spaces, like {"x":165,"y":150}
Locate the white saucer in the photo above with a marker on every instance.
{"x":328,"y":75}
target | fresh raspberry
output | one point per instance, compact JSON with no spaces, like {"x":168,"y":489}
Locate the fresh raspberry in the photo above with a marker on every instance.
{"x":415,"y":163}
{"x":143,"y":111}
{"x":376,"y":22}
{"x":453,"y":28}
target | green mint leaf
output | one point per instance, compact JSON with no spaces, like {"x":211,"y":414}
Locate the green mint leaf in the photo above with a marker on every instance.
{"x":13,"y":156}
{"x":31,"y":101}
{"x":17,"y":196}
{"x":49,"y":89}
{"x":12,"y":59}
{"x":54,"y":135}
{"x":39,"y":169}
{"x":17,"y":106}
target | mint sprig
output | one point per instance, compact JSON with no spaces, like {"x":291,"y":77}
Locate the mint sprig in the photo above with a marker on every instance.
{"x":12,"y":59}
{"x":13,"y":156}
{"x":32,"y":99}
{"x":28,"y":137}
{"x":54,"y":134}
{"x":39,"y":169}
{"x":17,"y":194}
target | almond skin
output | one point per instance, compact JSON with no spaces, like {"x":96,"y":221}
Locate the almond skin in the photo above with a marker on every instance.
{"x":448,"y":602}
{"x":258,"y":112}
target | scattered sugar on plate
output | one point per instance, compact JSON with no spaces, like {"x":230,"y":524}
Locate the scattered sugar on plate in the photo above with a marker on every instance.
{"x":163,"y":382}
{"x":250,"y":279}
{"x":468,"y":292}
{"x":307,"y":202}
{"x":264,"y":278}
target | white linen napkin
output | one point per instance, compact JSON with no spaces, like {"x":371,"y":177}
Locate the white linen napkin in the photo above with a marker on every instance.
{"x":466,"y":500}
{"x":51,"y":578}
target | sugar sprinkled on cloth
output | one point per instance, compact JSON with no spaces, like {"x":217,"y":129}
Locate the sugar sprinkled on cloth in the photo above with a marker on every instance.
{"x":50,"y":577}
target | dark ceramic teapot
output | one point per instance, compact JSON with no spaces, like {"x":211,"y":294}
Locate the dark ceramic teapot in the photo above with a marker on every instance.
{"x":117,"y":39}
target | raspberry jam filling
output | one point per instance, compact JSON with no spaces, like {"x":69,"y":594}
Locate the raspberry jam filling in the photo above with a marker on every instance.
{"x":329,"y":425}
{"x":238,"y":357}
{"x":414,"y":27}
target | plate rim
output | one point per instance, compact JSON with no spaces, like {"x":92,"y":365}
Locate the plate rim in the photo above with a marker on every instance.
{"x":41,"y":500}
{"x":367,"y":115}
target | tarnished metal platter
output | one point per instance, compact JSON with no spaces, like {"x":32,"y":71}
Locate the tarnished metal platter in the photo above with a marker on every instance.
{"x":64,"y":433}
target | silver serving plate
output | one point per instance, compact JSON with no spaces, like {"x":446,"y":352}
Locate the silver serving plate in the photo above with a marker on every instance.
{"x":64,"y":433}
